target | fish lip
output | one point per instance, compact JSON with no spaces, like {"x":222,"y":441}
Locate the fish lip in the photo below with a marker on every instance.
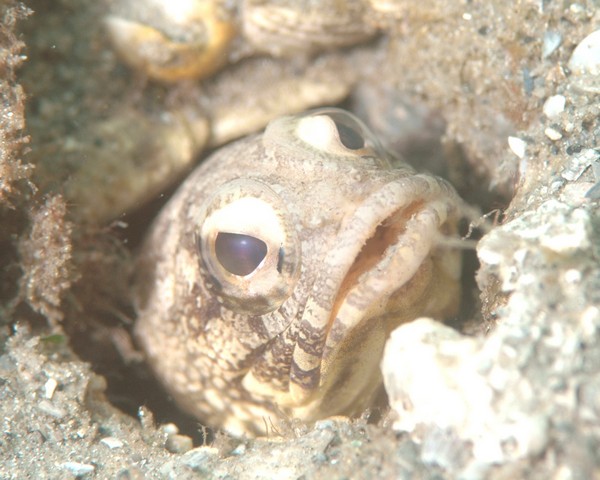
{"x":383,"y":269}
{"x":425,"y":203}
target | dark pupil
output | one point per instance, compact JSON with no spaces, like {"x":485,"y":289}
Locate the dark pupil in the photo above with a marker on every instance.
{"x":349,"y":137}
{"x":239,"y":254}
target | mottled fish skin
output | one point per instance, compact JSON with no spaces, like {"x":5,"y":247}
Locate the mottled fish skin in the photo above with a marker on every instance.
{"x":330,"y":248}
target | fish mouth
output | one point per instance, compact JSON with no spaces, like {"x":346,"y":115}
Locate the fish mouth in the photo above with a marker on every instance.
{"x":373,"y":259}
{"x":383,"y":288}
{"x":390,"y":279}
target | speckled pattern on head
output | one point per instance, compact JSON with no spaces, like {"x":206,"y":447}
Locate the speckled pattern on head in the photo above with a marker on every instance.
{"x":352,"y":251}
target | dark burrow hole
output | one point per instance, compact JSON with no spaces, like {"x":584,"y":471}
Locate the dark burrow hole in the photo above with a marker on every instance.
{"x":131,"y":385}
{"x":130,"y":382}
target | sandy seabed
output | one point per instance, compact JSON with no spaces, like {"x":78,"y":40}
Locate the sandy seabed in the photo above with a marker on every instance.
{"x":517,"y":390}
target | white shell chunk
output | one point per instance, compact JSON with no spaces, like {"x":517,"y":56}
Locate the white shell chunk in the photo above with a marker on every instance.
{"x":585,"y":59}
{"x":551,"y":42}
{"x":445,"y":389}
{"x":517,"y":146}
{"x":554,"y":106}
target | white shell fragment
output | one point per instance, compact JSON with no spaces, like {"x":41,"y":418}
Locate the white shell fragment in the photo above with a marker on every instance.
{"x":586,"y":56}
{"x":551,"y":42}
{"x":78,"y":469}
{"x":517,"y":146}
{"x":112,"y":442}
{"x":554,"y":106}
{"x":580,"y":163}
{"x":476,"y":402}
{"x":552,"y":133}
{"x":567,"y":239}
{"x":445,"y":393}
{"x":49,"y":388}
{"x":560,"y":235}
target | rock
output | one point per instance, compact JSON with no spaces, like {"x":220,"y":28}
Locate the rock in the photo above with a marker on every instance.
{"x":585,"y":59}
{"x":450,"y":394}
{"x":551,"y":41}
{"x":78,"y":469}
{"x":517,"y":146}
{"x":554,"y":106}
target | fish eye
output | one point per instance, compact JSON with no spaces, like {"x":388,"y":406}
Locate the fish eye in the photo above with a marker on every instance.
{"x":338,"y":132}
{"x":349,"y":130}
{"x":248,"y":247}
{"x":239,"y":254}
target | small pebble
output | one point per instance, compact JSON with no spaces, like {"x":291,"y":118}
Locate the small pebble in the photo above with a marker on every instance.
{"x":112,"y":442}
{"x":568,"y":236}
{"x":170,"y":428}
{"x":200,"y":458}
{"x":130,"y":473}
{"x":78,"y":469}
{"x":326,"y":424}
{"x":239,"y":450}
{"x":594,"y":192}
{"x":551,"y":42}
{"x":580,"y":163}
{"x":517,"y":146}
{"x":49,"y":388}
{"x":146,"y":417}
{"x":528,"y":83}
{"x":50,"y":409}
{"x":554,"y":106}
{"x":572,"y":276}
{"x":553,"y":134}
{"x":589,"y":326}
{"x":586,"y":56}
{"x":178,"y":443}
{"x":576,"y":8}
{"x":596,"y":168}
